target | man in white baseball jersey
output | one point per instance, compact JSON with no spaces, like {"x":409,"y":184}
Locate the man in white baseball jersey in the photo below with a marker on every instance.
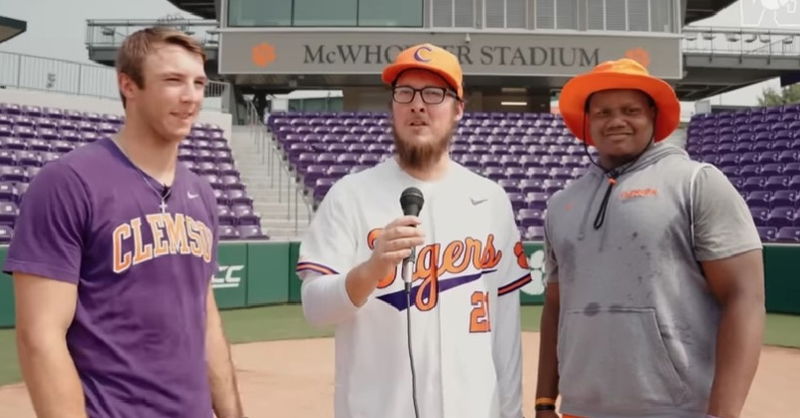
{"x":464,"y":318}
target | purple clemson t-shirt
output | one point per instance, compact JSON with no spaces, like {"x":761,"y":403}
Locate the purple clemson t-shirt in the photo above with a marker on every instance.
{"x":138,"y":336}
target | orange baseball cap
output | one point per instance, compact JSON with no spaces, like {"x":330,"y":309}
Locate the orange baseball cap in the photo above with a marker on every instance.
{"x":622,"y":74}
{"x":427,"y":57}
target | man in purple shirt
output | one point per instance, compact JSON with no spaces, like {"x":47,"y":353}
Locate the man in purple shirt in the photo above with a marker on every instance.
{"x":112,"y":258}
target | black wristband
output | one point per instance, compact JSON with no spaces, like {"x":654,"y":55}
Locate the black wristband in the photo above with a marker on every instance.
{"x":544,"y":407}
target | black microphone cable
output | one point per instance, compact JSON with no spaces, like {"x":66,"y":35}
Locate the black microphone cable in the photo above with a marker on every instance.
{"x":411,"y":200}
{"x":410,"y":350}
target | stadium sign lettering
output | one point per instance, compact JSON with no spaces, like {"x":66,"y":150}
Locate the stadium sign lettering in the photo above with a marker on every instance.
{"x":487,"y":55}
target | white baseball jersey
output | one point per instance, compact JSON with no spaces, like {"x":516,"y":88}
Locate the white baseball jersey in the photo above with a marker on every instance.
{"x":464,"y":308}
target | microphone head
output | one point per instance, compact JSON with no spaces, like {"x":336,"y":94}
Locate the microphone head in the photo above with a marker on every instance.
{"x":411,"y":201}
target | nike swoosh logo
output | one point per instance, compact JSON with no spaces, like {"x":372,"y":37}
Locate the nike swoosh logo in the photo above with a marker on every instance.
{"x":191,"y":195}
{"x":477,"y":202}
{"x":398,"y":299}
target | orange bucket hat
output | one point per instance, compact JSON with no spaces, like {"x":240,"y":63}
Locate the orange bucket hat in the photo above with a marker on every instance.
{"x":622,"y":74}
{"x":427,"y":57}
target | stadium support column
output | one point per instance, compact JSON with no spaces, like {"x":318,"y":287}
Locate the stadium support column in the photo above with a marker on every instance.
{"x":233,"y":102}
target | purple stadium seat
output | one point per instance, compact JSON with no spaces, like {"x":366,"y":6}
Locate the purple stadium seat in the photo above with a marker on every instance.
{"x":535,"y":233}
{"x":776,"y":183}
{"x":338,"y":171}
{"x":561,"y":173}
{"x":791,"y":169}
{"x":781,"y":216}
{"x":537,"y":200}
{"x":767,"y":233}
{"x":9,"y":192}
{"x":206,"y":167}
{"x":783,"y":198}
{"x":517,"y":201}
{"x":251,"y":232}
{"x":8,"y":157}
{"x":509,"y":185}
{"x":788,"y":234}
{"x":768,"y":157}
{"x":748,"y":158}
{"x":29,"y":158}
{"x":530,"y":217}
{"x":551,"y":186}
{"x":225,"y":215}
{"x":312,"y":173}
{"x":347,"y":159}
{"x":788,"y":156}
{"x":531,"y":185}
{"x":489,"y":160}
{"x":62,"y":146}
{"x":8,"y":213}
{"x":227,"y":169}
{"x":6,"y":233}
{"x":753,"y":183}
{"x":227,"y":232}
{"x":494,"y":173}
{"x":794,"y":183}
{"x":231,"y":181}
{"x":516,"y":173}
{"x":241,"y":210}
{"x":728,"y":160}
{"x":748,"y":170}
{"x":213,"y":180}
{"x":728,"y":148}
{"x":369,"y":159}
{"x":236,"y":196}
{"x":771,"y":169}
{"x":759,"y":198}
{"x":322,"y":187}
{"x":221,"y":156}
{"x":326,"y":158}
{"x":760,"y":214}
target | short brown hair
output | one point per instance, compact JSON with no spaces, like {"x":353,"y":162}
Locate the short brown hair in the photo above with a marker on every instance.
{"x":136,"y":47}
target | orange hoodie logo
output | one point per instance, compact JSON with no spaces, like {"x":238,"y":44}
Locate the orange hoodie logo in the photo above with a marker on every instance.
{"x":630,"y":194}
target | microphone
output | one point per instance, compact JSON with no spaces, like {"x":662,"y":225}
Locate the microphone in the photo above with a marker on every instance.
{"x":411,"y":201}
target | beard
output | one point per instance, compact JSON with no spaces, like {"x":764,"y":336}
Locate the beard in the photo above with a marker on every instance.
{"x":420,"y":156}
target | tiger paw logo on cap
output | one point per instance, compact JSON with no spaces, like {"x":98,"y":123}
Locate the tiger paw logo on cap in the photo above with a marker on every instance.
{"x":536,"y":263}
{"x":262,"y":54}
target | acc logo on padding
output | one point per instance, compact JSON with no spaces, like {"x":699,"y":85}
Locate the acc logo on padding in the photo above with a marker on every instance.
{"x":228,"y":278}
{"x":536,"y":264}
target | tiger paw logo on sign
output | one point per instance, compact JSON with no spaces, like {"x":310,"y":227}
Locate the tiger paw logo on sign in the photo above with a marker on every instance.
{"x":263,"y":54}
{"x":536,"y":264}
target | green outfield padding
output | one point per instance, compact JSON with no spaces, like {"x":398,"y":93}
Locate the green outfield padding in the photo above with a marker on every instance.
{"x":263,"y":273}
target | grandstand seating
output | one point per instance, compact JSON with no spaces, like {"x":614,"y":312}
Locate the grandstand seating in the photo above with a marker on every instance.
{"x":531,"y":155}
{"x":759,"y":150}
{"x":31,"y":136}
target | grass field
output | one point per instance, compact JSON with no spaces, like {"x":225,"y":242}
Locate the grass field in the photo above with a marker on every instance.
{"x":286,"y":322}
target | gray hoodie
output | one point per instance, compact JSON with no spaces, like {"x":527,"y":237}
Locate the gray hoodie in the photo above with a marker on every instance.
{"x":637,"y":326}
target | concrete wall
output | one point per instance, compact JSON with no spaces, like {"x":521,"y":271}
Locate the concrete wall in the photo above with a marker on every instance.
{"x":96,"y":105}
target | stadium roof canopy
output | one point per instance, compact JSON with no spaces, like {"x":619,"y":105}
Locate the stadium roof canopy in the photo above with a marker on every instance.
{"x":10,"y":28}
{"x":694,"y":10}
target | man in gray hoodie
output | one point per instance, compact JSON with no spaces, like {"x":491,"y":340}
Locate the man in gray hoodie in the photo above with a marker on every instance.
{"x":654,"y":303}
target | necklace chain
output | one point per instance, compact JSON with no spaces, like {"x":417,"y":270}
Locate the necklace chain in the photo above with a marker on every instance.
{"x":162,"y":196}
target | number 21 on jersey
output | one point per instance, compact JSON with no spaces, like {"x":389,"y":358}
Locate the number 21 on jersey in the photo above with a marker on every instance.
{"x":479,"y":317}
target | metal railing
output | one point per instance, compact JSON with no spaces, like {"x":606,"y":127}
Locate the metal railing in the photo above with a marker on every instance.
{"x":49,"y":74}
{"x":741,"y":41}
{"x":280,"y":172}
{"x":32,"y":72}
{"x":111,"y":32}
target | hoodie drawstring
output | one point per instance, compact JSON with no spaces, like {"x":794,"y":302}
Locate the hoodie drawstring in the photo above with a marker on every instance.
{"x":611,"y":174}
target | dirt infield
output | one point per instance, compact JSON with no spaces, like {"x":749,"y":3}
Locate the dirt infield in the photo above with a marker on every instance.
{"x":294,"y":379}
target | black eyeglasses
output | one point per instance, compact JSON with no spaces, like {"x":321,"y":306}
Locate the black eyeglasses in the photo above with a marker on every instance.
{"x":430,"y":95}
